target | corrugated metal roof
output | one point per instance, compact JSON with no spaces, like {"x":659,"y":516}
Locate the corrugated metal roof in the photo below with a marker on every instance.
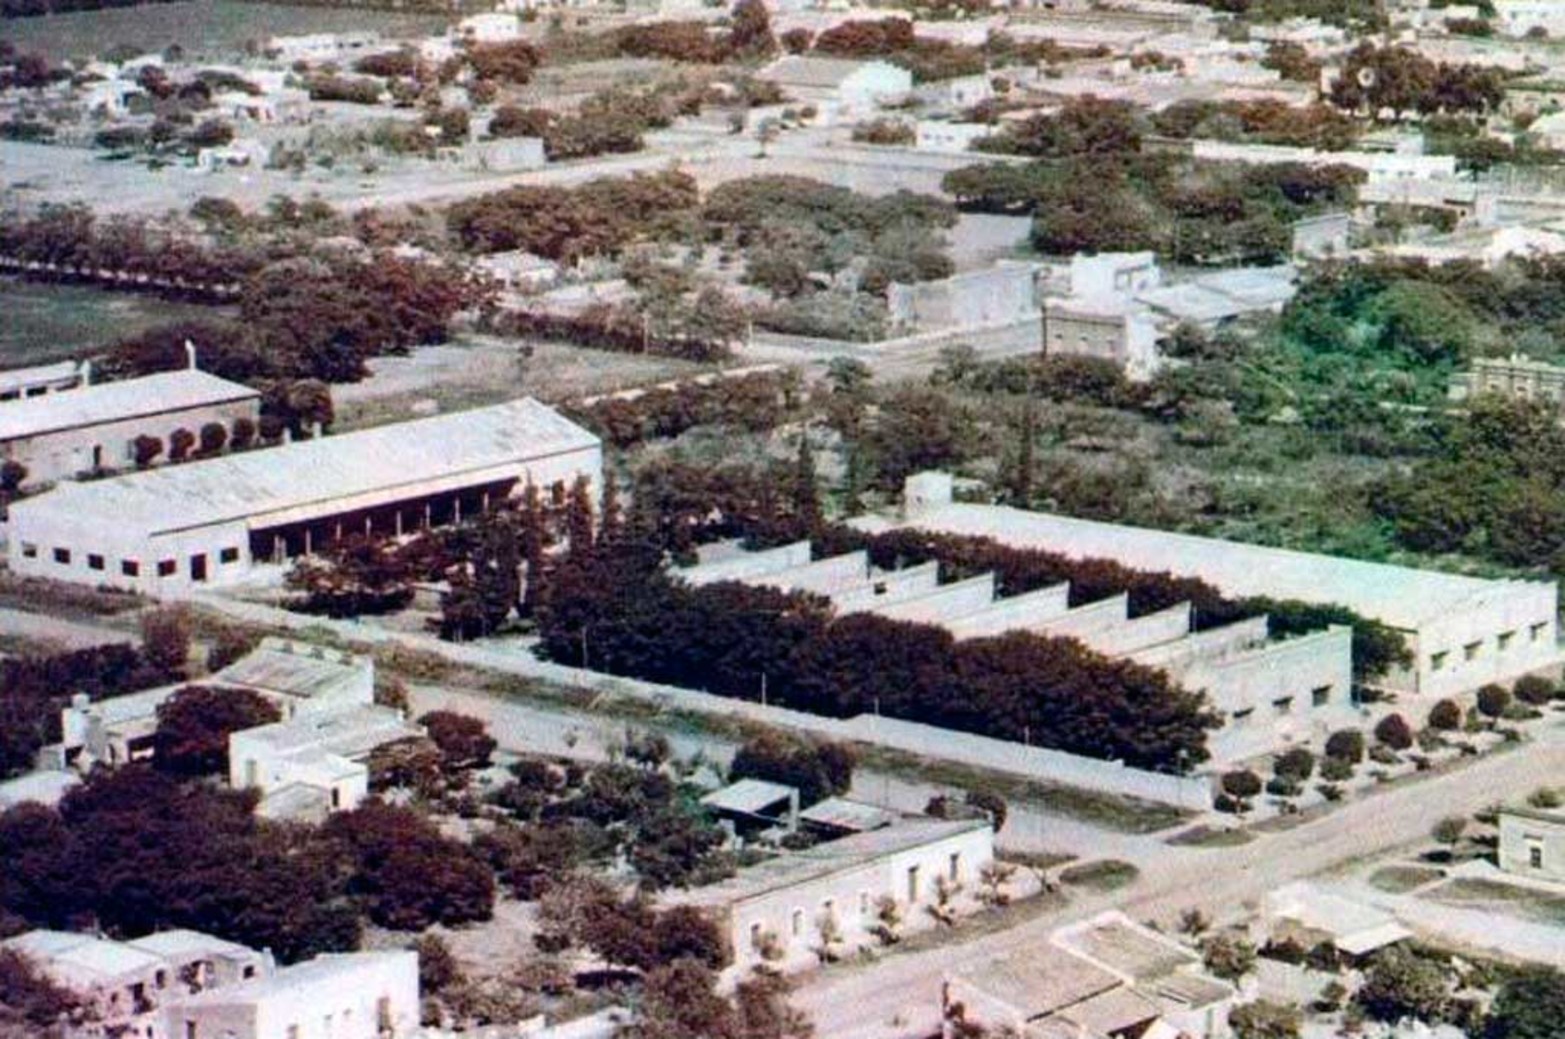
{"x":317,"y":474}
{"x":115,"y":401}
{"x":842,"y":814}
{"x":749,"y":796}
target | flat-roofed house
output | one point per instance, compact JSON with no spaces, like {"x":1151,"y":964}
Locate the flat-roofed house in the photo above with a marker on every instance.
{"x":315,"y":764}
{"x":1105,"y":978}
{"x":357,"y":995}
{"x":125,"y":986}
{"x":839,"y":87}
{"x":1532,"y":842}
{"x":784,"y":907}
{"x":172,"y":529}
{"x":93,"y":428}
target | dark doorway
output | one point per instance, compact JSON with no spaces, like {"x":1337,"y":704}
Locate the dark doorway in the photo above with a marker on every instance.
{"x":198,"y":567}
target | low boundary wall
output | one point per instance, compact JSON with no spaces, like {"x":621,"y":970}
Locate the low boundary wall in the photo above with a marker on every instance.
{"x":1193,"y":793}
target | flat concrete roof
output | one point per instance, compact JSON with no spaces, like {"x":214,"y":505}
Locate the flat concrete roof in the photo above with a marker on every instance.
{"x":106,"y":402}
{"x":1397,"y":595}
{"x":790,"y":869}
{"x":315,"y":473}
{"x":297,"y":669}
{"x":346,"y":733}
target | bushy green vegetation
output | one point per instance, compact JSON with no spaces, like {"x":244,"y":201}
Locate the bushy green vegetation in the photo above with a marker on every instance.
{"x":1093,"y":189}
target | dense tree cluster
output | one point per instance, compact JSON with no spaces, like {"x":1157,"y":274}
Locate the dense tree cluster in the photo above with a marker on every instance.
{"x":1189,"y":211}
{"x":616,"y":610}
{"x":894,"y":40}
{"x":72,"y":237}
{"x":1402,"y":81}
{"x":817,"y":769}
{"x":754,"y":401}
{"x":33,"y":689}
{"x":1494,"y":489}
{"x":600,"y":217}
{"x":789,"y":228}
{"x":28,"y":8}
{"x":628,"y":330}
{"x":1259,"y":122}
{"x":392,"y":856}
{"x":314,"y":318}
{"x":136,"y":850}
{"x":566,"y":818}
{"x":194,"y":725}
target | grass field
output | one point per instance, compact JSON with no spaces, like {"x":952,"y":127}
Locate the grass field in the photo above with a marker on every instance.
{"x":204,"y":28}
{"x":47,"y":322}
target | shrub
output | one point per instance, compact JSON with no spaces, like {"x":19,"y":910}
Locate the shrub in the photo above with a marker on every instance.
{"x":1282,"y":786}
{"x":1449,"y":830}
{"x":1295,"y":763}
{"x":1336,"y":770}
{"x":1493,"y":700}
{"x":1346,"y":745}
{"x":179,"y":444}
{"x":1394,"y":732}
{"x":1534,"y":690}
{"x":1445,"y":716}
{"x":1241,"y":783}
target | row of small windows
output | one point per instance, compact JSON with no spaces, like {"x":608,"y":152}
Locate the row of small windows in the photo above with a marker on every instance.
{"x":128,"y":567}
{"x":1320,"y":696}
{"x":953,"y":874}
{"x":1474,"y":650}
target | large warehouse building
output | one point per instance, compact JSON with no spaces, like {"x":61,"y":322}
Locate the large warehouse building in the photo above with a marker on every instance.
{"x":1269,"y":693}
{"x":211,"y":522}
{"x":94,"y":427}
{"x":1463,"y":631}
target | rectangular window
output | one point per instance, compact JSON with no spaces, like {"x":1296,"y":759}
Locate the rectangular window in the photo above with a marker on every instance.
{"x":755,"y":937}
{"x":797,"y":923}
{"x":912,"y":884}
{"x":62,"y":556}
{"x":29,"y":550}
{"x":1283,"y":705}
{"x":1537,"y":631}
{"x":190,"y":1029}
{"x":955,"y":867}
{"x":1470,"y":651}
{"x":94,"y":561}
{"x":1437,"y":661}
{"x":167,"y":567}
{"x":1535,"y":856}
{"x":863,"y":903}
{"x":228,"y":555}
{"x":130,"y":568}
{"x":1505,"y":639}
{"x":1240,"y":716}
{"x":1320,"y":696}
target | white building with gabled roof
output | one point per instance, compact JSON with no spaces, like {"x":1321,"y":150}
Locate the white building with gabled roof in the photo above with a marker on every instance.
{"x":94,"y":427}
{"x":170,"y":530}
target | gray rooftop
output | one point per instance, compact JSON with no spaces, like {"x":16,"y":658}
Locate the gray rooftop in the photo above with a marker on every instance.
{"x":116,"y":401}
{"x":310,"y":474}
{"x":16,"y":378}
{"x":1397,"y":595}
{"x":799,"y":71}
{"x":332,"y":969}
{"x":749,"y":796}
{"x":801,"y":867}
{"x":291,"y":669}
{"x":347,"y":733}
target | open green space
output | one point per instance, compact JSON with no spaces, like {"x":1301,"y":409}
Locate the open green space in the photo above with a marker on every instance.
{"x":1507,"y":899}
{"x":1398,"y":880}
{"x":1103,"y":875}
{"x":50,"y":322}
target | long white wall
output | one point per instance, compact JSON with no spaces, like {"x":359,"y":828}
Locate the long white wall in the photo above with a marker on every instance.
{"x":957,"y":599}
{"x":886,"y":587}
{"x":1016,"y":613}
{"x":743,"y":566}
{"x":822,"y":577}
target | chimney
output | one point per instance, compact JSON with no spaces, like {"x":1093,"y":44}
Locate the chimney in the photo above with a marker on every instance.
{"x":190,"y":354}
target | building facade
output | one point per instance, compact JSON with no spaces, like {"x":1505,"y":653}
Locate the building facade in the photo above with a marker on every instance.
{"x":1462,"y":632}
{"x":212,"y":522}
{"x":783,"y":909}
{"x":1517,"y":376}
{"x":361,"y":995}
{"x":93,"y":428}
{"x":1532,"y":843}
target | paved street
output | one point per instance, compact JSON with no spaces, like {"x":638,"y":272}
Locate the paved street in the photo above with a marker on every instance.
{"x":899,"y":996}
